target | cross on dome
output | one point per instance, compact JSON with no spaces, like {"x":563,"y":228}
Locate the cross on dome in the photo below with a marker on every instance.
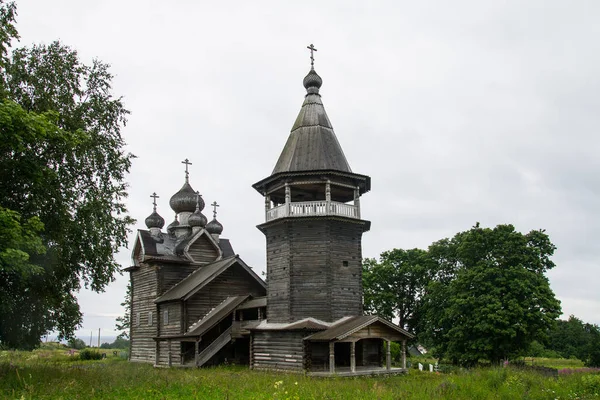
{"x":214,"y":205}
{"x":154,"y":197}
{"x":312,"y":58}
{"x":187,"y":173}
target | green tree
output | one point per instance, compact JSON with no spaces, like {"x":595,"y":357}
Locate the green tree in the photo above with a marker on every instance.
{"x":574,"y":338}
{"x":489,"y":298}
{"x":124,"y":322}
{"x":394,"y":286}
{"x":76,"y":343}
{"x":62,"y":163}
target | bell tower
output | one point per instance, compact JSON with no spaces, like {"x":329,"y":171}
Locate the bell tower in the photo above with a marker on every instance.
{"x":313,"y":223}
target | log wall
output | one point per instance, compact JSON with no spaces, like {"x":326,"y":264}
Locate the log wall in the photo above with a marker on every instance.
{"x":144,"y":292}
{"x":278,"y":350}
{"x":233,"y":282}
{"x":314,"y":269}
{"x":203,"y":250}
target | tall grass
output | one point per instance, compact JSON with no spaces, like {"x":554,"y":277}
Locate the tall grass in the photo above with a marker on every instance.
{"x":35,"y":375}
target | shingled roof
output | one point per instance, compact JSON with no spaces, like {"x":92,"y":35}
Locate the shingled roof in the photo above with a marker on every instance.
{"x":202,"y":276}
{"x":347,"y":327}
{"x":312,"y":144}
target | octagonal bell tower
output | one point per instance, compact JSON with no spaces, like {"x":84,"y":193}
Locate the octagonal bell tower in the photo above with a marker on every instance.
{"x":313,"y":223}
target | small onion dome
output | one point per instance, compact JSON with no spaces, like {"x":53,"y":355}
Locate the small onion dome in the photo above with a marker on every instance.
{"x":155,"y":221}
{"x":197,"y":219}
{"x":312,"y":82}
{"x":214,"y":227}
{"x":173,"y":224}
{"x":185,"y":200}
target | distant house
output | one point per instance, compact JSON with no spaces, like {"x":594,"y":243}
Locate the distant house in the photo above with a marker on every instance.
{"x":196,"y":303}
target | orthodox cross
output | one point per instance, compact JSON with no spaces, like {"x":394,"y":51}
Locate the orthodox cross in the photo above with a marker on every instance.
{"x":154,"y":196}
{"x":312,"y":58}
{"x":187,"y":164}
{"x":214,"y":205}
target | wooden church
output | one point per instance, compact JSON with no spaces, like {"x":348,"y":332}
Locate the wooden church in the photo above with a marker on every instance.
{"x":196,"y":303}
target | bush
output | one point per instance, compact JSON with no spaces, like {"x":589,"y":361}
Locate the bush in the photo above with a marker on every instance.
{"x":88,"y":354}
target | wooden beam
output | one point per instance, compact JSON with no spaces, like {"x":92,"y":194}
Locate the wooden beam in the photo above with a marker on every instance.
{"x":388,"y":355}
{"x":196,"y":351}
{"x":332,"y":357}
{"x":353,"y":357}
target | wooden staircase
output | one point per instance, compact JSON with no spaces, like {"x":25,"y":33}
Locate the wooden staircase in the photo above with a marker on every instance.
{"x":214,"y":348}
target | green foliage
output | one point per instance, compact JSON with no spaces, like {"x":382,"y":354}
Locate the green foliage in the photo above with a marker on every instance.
{"x":123,"y":323}
{"x":489,"y":298}
{"x":51,"y":376}
{"x":119,"y":343}
{"x":76,"y":343}
{"x":574,"y":338}
{"x":62,"y":171}
{"x":394,"y":286}
{"x":89,"y":354}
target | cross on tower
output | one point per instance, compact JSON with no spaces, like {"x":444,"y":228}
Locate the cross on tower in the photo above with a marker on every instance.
{"x":154,"y":196}
{"x":312,"y":58}
{"x":187,"y":164}
{"x":214,"y":205}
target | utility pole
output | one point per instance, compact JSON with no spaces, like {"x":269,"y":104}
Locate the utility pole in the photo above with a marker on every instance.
{"x":91,"y":333}
{"x":98,"y":337}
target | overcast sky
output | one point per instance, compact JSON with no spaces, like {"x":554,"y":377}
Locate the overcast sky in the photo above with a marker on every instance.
{"x":460,"y":111}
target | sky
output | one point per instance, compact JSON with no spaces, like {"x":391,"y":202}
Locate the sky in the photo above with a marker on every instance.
{"x":461,"y":112}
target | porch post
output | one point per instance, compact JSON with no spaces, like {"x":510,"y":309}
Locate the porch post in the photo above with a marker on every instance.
{"x":388,"y":356}
{"x":288,"y":199}
{"x":332,"y":357}
{"x":196,"y":351}
{"x":357,"y":201}
{"x":404,"y":354}
{"x":352,"y":357}
{"x":328,"y":197}
{"x":267,"y":206}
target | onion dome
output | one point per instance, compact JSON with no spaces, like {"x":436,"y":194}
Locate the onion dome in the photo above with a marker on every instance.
{"x":155,"y":221}
{"x":184,"y":200}
{"x":214,"y":227}
{"x":312,"y":82}
{"x":197,"y":218}
{"x":173,"y":224}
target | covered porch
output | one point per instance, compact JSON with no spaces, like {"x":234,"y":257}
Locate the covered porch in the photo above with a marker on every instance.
{"x":356,"y":346}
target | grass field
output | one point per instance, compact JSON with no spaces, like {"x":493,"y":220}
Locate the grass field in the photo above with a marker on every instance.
{"x":53,"y":374}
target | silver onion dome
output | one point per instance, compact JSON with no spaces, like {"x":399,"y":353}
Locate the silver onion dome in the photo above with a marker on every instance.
{"x":312,"y":82}
{"x":154,"y":220}
{"x":214,"y":227}
{"x":173,"y":224}
{"x":185,"y":200}
{"x":197,"y":219}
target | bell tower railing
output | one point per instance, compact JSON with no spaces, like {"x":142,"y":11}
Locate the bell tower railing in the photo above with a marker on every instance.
{"x":313,"y":209}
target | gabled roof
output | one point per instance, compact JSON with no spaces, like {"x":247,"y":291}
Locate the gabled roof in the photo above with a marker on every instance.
{"x":215,"y":316}
{"x":203,"y":276}
{"x":183,"y":247}
{"x":164,"y":248}
{"x":312,"y":144}
{"x":347,"y":327}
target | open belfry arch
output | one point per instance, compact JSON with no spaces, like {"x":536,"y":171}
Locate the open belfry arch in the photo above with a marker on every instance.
{"x":196,"y":303}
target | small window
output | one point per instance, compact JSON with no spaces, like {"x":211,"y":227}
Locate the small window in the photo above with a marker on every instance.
{"x":138,"y":318}
{"x":166,"y":317}
{"x":345,"y":263}
{"x":150,"y":318}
